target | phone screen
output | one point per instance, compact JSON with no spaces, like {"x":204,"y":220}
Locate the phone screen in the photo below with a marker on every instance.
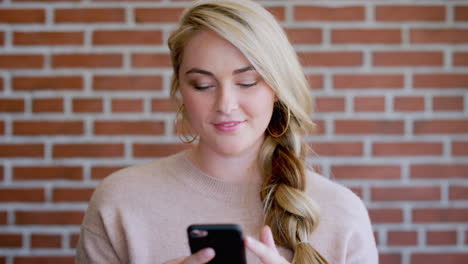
{"x":225,"y":239}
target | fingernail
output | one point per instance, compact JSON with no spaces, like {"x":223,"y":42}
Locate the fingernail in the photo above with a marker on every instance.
{"x":208,"y":253}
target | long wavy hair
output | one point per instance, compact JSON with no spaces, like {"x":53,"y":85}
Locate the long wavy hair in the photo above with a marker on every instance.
{"x":289,"y":211}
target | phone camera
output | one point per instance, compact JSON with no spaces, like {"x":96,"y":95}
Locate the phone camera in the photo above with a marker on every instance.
{"x":199,"y":233}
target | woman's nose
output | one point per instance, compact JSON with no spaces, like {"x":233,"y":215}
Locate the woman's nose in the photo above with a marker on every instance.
{"x":227,"y":100}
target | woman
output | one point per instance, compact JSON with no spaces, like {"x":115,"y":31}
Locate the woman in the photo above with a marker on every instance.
{"x":245,"y":100}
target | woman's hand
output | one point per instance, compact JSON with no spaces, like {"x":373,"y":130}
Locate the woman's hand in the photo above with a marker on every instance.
{"x":265,"y":249}
{"x":201,"y":257}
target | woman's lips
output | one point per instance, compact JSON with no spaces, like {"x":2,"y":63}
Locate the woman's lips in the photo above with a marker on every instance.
{"x":228,"y":126}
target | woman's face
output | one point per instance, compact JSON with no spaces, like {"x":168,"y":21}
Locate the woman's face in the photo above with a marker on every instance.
{"x":228,"y":103}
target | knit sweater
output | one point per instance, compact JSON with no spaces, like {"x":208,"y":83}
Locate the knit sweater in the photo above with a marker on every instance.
{"x":140,"y":215}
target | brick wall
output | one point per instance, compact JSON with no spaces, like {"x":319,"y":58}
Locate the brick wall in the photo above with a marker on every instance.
{"x":84,"y":91}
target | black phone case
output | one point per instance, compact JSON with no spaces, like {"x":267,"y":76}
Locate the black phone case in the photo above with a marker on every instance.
{"x":225,"y":239}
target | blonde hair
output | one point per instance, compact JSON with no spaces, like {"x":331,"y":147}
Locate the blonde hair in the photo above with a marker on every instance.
{"x":289,"y":211}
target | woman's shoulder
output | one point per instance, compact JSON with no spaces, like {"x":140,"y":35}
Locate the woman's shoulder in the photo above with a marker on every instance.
{"x":334,"y":199}
{"x":136,"y":179}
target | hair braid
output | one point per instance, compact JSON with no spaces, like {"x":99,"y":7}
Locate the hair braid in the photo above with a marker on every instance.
{"x":291,"y":214}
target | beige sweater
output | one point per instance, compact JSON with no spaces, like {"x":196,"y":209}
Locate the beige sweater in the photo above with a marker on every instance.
{"x":140,"y":215}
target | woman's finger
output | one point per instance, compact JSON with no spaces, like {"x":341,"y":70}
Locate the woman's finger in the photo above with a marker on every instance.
{"x":202,"y":256}
{"x":266,"y":237}
{"x":263,"y":252}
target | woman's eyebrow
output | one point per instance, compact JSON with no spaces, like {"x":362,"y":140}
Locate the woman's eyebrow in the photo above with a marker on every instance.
{"x":205,"y":72}
{"x":200,"y":71}
{"x":241,"y":70}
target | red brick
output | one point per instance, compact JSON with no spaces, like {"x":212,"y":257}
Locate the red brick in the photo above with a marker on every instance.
{"x":102,"y":172}
{"x":11,"y":105}
{"x":127,"y":105}
{"x":337,"y":148}
{"x":151,"y":60}
{"x":32,"y":83}
{"x":319,"y":13}
{"x":22,"y":195}
{"x":3,"y":218}
{"x":358,"y":191}
{"x":460,"y":148}
{"x":304,"y":35}
{"x":366,"y":36}
{"x":127,"y":37}
{"x":319,"y":127}
{"x":163,"y":105}
{"x":2,"y":38}
{"x":87,"y":60}
{"x":440,"y":127}
{"x":448,"y":103}
{"x":11,"y":241}
{"x":408,"y":104}
{"x":72,"y":195}
{"x":157,"y":150}
{"x":157,"y":15}
{"x":13,"y":16}
{"x":48,"y":127}
{"x":402,"y":238}
{"x":22,"y":150}
{"x":278,"y":12}
{"x":461,"y":13}
{"x":47,"y":105}
{"x":366,"y":172}
{"x":2,"y":128}
{"x":429,"y":36}
{"x":89,"y":15}
{"x":405,"y":193}
{"x":88,"y":150}
{"x":1,"y":79}
{"x":410,"y":13}
{"x":443,"y":215}
{"x":460,"y":58}
{"x":367,"y":81}
{"x":129,"y":83}
{"x":128,"y":128}
{"x":345,"y":58}
{"x":438,"y":171}
{"x":88,"y":105}
{"x":441,"y":237}
{"x":408,"y":58}
{"x":315,"y":81}
{"x":44,"y":259}
{"x":48,"y":217}
{"x":20,"y":61}
{"x":407,"y":149}
{"x":74,"y":238}
{"x":385,"y":127}
{"x":369,"y":104}
{"x":440,"y":80}
{"x":458,"y":192}
{"x":389,"y":258}
{"x":379,"y":216}
{"x":48,"y":38}
{"x":330,"y":104}
{"x":48,"y":173}
{"x":46,"y":241}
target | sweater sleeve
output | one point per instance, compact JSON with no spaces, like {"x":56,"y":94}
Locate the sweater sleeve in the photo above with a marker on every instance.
{"x":94,"y":248}
{"x":361,"y":247}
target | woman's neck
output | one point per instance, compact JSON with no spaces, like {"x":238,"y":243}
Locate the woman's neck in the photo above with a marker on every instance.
{"x":233,"y":168}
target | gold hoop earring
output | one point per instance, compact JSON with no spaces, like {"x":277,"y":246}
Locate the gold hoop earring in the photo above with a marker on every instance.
{"x":284,"y":130}
{"x":182,"y":129}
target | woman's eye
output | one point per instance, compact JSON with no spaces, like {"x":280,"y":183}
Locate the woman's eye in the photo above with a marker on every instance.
{"x":202,"y":87}
{"x":247,"y":84}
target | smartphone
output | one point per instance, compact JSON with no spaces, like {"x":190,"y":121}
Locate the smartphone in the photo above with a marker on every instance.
{"x":225,"y":239}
